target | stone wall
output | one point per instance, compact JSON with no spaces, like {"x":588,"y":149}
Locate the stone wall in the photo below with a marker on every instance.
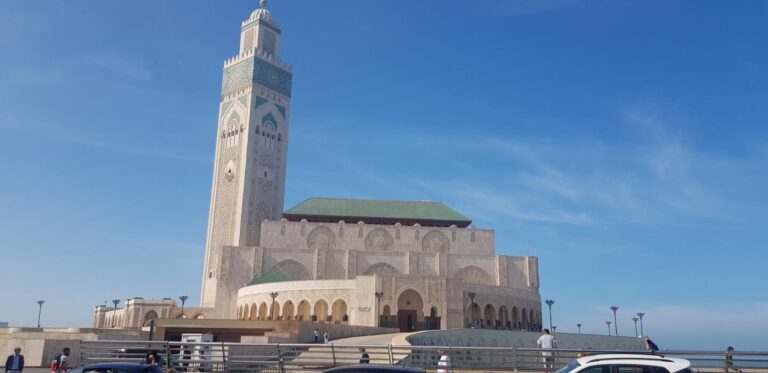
{"x":39,"y":345}
{"x":375,"y":237}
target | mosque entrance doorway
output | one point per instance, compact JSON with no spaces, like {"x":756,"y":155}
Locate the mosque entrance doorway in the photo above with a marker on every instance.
{"x":410,"y":311}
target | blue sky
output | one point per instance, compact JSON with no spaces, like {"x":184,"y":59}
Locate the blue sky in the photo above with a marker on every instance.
{"x":624,"y":143}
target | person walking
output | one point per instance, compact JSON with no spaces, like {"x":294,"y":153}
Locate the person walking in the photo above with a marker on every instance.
{"x":444,"y":364}
{"x":547,"y":341}
{"x":317,"y":335}
{"x":61,"y":363}
{"x":15,"y":363}
{"x":729,"y":366}
{"x":326,"y":337}
{"x":364,"y":357}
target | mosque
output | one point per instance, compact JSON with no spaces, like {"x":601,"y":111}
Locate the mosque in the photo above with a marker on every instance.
{"x":412,"y":265}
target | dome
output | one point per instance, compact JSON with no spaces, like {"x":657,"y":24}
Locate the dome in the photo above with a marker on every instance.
{"x":262,"y":12}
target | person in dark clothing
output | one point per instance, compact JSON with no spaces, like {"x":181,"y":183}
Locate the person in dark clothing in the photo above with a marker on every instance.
{"x":364,"y":358}
{"x":652,"y":347}
{"x":729,"y":366}
{"x":15,"y":363}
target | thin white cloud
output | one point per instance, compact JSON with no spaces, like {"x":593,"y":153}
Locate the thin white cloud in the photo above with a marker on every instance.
{"x":654,"y":177}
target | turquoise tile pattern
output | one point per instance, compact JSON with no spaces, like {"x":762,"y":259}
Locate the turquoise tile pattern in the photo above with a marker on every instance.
{"x":255,"y":70}
{"x":281,"y":108}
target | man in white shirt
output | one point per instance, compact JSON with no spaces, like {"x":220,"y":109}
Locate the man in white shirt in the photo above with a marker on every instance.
{"x":547,"y":341}
{"x":444,"y":365}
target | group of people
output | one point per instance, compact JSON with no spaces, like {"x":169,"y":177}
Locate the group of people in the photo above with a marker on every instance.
{"x":60,"y":364}
{"x":547,"y":342}
{"x":326,"y":336}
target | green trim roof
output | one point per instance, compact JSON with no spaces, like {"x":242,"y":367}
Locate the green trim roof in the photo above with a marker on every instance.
{"x":376,"y":211}
{"x":273,"y":275}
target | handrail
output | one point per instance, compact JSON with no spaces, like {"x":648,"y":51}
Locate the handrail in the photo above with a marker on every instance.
{"x":231,"y":357}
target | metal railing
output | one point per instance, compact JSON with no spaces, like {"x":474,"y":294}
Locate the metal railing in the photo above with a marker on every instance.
{"x":245,"y":357}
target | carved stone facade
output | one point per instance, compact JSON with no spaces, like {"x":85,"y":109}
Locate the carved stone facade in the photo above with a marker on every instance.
{"x":425,"y":275}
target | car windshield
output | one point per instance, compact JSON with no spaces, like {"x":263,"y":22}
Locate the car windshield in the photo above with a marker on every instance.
{"x":570,"y":367}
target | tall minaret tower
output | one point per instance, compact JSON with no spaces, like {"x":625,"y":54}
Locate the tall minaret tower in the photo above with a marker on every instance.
{"x":251,"y":149}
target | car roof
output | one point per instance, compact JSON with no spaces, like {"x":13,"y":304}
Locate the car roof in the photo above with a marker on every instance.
{"x":375,"y":368}
{"x":672,"y":364}
{"x":116,"y":364}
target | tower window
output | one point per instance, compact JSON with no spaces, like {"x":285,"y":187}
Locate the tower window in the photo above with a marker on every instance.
{"x":269,"y":40}
{"x":265,"y":173}
{"x":257,"y":130}
{"x":278,"y":137}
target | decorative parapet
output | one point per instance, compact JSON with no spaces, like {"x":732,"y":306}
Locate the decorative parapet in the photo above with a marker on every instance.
{"x":260,"y":53}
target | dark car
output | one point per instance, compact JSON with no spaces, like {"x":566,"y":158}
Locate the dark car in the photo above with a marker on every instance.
{"x":122,"y":367}
{"x":131,"y":353}
{"x":373,"y":368}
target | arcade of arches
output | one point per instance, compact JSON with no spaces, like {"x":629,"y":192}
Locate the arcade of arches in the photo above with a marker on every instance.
{"x":412,"y":307}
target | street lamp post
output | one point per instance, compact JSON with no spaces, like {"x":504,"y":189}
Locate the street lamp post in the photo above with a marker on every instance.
{"x":272,"y":308}
{"x":635,"y":321}
{"x":39,"y":311}
{"x":472,"y":296}
{"x":554,"y":329}
{"x":114,"y":316}
{"x":579,"y":326}
{"x":615,"y":323}
{"x":609,"y":327}
{"x":379,"y":295}
{"x":183,"y":300}
{"x":640,"y":315}
{"x":549,"y":303}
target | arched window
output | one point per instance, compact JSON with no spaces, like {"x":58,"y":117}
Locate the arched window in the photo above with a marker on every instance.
{"x":279,"y":138}
{"x":258,"y":130}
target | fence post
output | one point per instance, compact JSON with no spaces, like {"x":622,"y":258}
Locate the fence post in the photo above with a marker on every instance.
{"x":224,"y":357}
{"x":167,"y":351}
{"x":280,"y":364}
{"x":515,"y":357}
{"x":391,"y":358}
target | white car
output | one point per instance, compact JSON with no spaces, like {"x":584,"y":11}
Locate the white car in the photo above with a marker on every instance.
{"x":627,"y":363}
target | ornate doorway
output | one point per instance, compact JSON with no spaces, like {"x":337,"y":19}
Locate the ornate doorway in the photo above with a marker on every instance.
{"x":410,"y":311}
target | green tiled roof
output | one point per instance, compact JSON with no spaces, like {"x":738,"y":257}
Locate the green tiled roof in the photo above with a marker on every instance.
{"x":406,"y":212}
{"x":273,"y":275}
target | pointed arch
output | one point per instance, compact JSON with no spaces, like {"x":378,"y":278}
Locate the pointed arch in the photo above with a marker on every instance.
{"x":381,"y":269}
{"x":303,"y":311}
{"x":475,"y":275}
{"x":294,"y":270}
{"x":321,"y":310}
{"x":263,"y":311}
{"x":288,"y":310}
{"x":149,"y":316}
{"x":503,"y":316}
{"x":339,"y":311}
